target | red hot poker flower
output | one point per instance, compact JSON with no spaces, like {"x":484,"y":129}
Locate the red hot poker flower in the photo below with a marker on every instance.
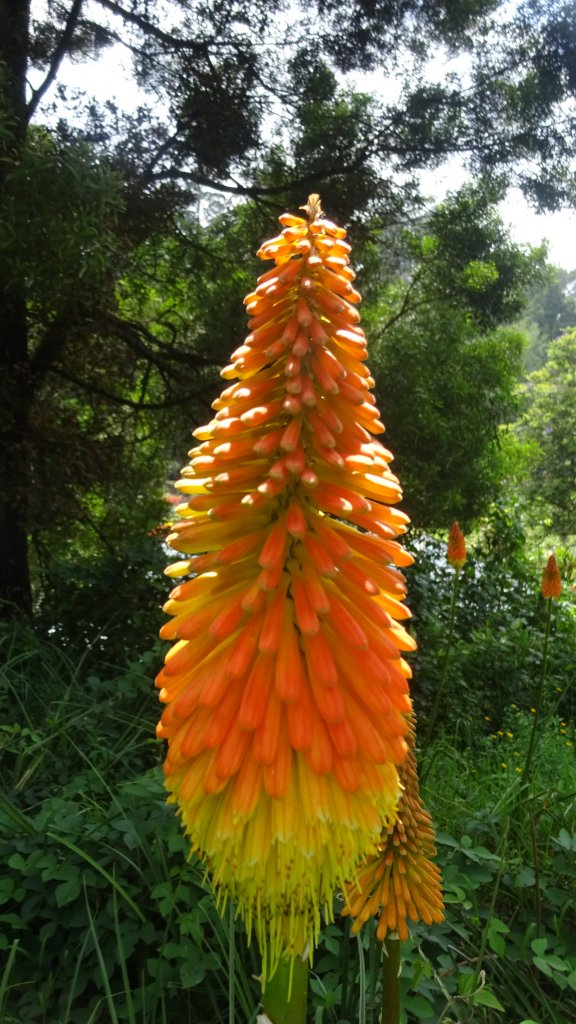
{"x":456,"y":553}
{"x":286,"y":688}
{"x":551,"y":580}
{"x":400,"y":882}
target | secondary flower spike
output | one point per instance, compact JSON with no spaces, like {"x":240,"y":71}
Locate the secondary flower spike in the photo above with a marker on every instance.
{"x":456,"y":552}
{"x":400,"y":882}
{"x":286,"y":689}
{"x":551,"y":581}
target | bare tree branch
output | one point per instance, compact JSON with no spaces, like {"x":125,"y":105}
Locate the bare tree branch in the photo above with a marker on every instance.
{"x":258,"y":191}
{"x":57,"y":57}
{"x":130,"y":403}
{"x":174,"y":42}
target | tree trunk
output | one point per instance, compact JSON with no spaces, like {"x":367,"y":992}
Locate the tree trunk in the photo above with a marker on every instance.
{"x":15,"y":390}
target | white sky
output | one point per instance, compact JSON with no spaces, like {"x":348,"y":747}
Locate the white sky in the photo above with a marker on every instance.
{"x":559,"y":229}
{"x":526,"y":226}
{"x":110,"y":79}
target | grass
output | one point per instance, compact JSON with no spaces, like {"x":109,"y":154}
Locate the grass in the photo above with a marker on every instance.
{"x":104,"y":918}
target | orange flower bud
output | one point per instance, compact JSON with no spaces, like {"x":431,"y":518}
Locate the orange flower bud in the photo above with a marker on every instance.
{"x":551,"y":582}
{"x":456,"y":553}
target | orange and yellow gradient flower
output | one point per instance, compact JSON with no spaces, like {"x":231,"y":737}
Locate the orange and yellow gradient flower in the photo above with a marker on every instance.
{"x":400,"y":882}
{"x":286,"y":689}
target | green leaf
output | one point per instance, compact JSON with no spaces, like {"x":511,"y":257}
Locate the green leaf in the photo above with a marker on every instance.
{"x":543,"y":966}
{"x":419,"y":1007}
{"x":496,"y":925}
{"x":496,"y":943}
{"x":18,"y":819}
{"x":454,"y":894}
{"x":557,"y":963}
{"x":565,"y":840}
{"x":68,"y":891}
{"x":525,"y":878}
{"x":13,"y":920}
{"x":7,"y":886}
{"x":192,"y":973}
{"x":496,"y":929}
{"x":487,"y":998}
{"x":466,"y":984}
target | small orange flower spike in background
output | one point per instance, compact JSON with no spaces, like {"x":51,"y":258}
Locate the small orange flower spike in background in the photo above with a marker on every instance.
{"x":551,"y":581}
{"x":400,"y":882}
{"x":456,"y":553}
{"x":286,"y":689}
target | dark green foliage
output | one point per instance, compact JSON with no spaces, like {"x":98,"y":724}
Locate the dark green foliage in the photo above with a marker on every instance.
{"x":103,"y":917}
{"x":470,"y":258}
{"x":119,"y":296}
{"x":106,"y":604}
{"x":108,"y":915}
{"x":431,"y":372}
{"x":497,"y":647}
{"x":445,"y":372}
{"x":56,"y":201}
{"x":357,"y":31}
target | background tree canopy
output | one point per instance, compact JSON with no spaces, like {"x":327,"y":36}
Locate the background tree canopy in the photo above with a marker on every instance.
{"x":128,"y":235}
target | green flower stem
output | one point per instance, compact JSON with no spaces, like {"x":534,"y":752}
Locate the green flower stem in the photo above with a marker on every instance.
{"x":391,"y":982}
{"x":285,"y":994}
{"x":539,"y":696}
{"x":442,"y":684}
{"x":345,"y":966}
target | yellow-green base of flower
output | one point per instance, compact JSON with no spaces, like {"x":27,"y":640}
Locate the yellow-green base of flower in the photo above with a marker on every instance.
{"x":282,"y":862}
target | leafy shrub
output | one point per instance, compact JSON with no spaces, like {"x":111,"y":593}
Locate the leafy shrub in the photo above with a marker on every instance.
{"x":496,"y":651}
{"x":103,"y":917}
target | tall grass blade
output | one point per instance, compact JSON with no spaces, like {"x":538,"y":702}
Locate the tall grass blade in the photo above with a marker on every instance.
{"x":361,"y":983}
{"x":5,"y":979}
{"x":98,"y":867}
{"x":109,"y":997}
{"x":131,"y":1015}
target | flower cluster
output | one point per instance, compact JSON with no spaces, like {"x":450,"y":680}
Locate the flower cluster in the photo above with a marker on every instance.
{"x":286,"y":688}
{"x":400,"y":882}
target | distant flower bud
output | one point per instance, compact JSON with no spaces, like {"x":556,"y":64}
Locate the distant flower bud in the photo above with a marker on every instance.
{"x":551,"y":582}
{"x":456,"y":553}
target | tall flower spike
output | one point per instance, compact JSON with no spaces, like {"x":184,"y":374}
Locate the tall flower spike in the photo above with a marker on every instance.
{"x":456,"y":552}
{"x":286,"y":688}
{"x":400,"y":882}
{"x":551,"y":580}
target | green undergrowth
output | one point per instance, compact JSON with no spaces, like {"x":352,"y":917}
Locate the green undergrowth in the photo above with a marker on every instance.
{"x":496,"y":653}
{"x":105,"y":918}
